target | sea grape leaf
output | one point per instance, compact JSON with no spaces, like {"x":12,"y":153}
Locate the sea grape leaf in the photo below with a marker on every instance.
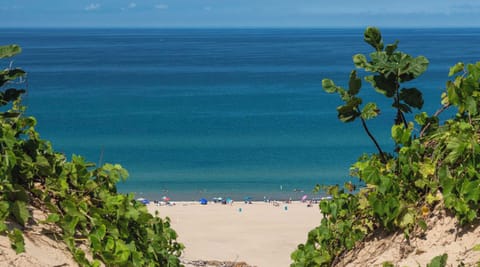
{"x":20,"y":212}
{"x":52,"y":218}
{"x":19,"y":193}
{"x":9,"y":50}
{"x":439,"y":261}
{"x":17,"y":241}
{"x":471,"y":105}
{"x":10,"y":75}
{"x":391,"y":48}
{"x":400,"y":135}
{"x":329,"y":86}
{"x":423,"y":225}
{"x":70,"y":208}
{"x":360,"y":61}
{"x":456,"y":69}
{"x":347,"y":113}
{"x":384,"y":85}
{"x":373,"y":37}
{"x":412,"y":97}
{"x":370,"y":111}
{"x":4,"y":210}
{"x":427,"y":169}
{"x":421,"y":118}
{"x":13,"y":94}
{"x":3,"y":227}
{"x":407,"y":219}
{"x":419,"y":66}
{"x":354,"y":83}
{"x":69,"y":224}
{"x":95,"y":242}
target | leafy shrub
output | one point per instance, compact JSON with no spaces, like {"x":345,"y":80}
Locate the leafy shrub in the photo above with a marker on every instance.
{"x":81,"y":199}
{"x":435,"y":164}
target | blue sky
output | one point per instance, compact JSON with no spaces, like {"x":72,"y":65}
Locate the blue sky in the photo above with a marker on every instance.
{"x":239,"y":13}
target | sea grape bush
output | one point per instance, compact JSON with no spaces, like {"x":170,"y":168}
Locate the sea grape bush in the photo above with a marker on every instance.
{"x":81,"y":200}
{"x":432,"y":166}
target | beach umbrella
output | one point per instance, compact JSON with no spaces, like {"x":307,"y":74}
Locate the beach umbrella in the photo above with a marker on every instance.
{"x":203,"y":201}
{"x":304,"y":198}
{"x":165,"y":198}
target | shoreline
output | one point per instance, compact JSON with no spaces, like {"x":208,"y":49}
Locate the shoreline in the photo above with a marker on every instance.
{"x":193,"y":196}
{"x":261,"y":234}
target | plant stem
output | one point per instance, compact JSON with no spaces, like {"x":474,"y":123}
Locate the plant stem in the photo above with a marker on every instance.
{"x":382,"y":156}
{"x":400,"y":114}
{"x":424,"y":129}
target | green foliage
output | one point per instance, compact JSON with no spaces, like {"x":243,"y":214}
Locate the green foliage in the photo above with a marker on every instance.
{"x":79,"y":197}
{"x":439,"y":261}
{"x":439,"y":166}
{"x":390,"y":68}
{"x":342,"y":226}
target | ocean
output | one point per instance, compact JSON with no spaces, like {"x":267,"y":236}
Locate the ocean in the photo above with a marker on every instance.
{"x":196,"y":113}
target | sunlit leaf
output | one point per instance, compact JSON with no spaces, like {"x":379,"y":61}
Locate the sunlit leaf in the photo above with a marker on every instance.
{"x":329,"y":86}
{"x":370,"y":111}
{"x":456,"y":69}
{"x":9,"y":50}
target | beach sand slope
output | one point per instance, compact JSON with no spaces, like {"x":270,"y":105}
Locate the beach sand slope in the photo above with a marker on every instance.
{"x":259,"y":234}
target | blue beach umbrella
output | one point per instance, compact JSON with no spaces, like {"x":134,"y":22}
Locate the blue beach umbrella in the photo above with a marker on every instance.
{"x":203,"y":201}
{"x":143,"y":200}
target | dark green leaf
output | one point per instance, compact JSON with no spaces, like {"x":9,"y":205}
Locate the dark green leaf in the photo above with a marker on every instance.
{"x":349,"y":112}
{"x":12,"y":94}
{"x":412,"y":97}
{"x":386,"y":85}
{"x":391,"y":48}
{"x":373,"y":37}
{"x":354,"y":83}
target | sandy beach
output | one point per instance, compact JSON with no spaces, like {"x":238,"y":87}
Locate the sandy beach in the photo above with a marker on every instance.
{"x":260,"y":233}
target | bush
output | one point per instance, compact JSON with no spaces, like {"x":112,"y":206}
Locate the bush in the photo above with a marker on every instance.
{"x":434,"y":164}
{"x":80,"y":198}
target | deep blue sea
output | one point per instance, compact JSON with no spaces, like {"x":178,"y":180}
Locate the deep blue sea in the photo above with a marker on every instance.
{"x":215,"y":112}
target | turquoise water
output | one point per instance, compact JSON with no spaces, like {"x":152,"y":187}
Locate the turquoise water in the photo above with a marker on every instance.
{"x":214,"y":112}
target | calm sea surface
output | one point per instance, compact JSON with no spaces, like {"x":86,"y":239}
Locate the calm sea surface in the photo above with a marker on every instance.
{"x":215,"y":112}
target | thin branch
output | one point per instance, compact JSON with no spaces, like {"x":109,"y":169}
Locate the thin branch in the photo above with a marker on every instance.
{"x":382,"y":155}
{"x":402,"y":115}
{"x":438,"y":112}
